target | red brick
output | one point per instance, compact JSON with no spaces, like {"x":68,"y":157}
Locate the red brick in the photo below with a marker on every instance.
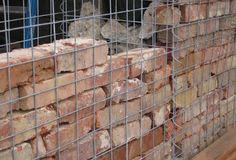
{"x":23,"y":125}
{"x":218,"y":8}
{"x":193,"y":12}
{"x":5,"y":99}
{"x":233,"y":6}
{"x":208,"y":26}
{"x":158,"y":78}
{"x":22,"y":71}
{"x":67,"y":134}
{"x":88,"y":102}
{"x":85,"y":147}
{"x":126,"y":90}
{"x":228,"y":22}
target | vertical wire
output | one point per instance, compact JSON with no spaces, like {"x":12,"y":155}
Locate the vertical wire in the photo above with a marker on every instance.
{"x":77,"y":120}
{"x":7,"y":41}
{"x":53,"y":33}
{"x":111,"y":74}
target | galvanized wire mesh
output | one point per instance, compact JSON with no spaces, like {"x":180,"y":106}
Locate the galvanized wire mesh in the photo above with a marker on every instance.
{"x":115,"y":79}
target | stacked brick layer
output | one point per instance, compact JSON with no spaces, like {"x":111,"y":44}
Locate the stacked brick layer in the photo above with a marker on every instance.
{"x":69,"y":100}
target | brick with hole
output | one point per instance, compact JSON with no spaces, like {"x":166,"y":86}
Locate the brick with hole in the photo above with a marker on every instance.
{"x":24,"y":124}
{"x":5,"y":101}
{"x":218,"y":8}
{"x":86,"y":146}
{"x":67,"y":133}
{"x":87,"y":102}
{"x":21,"y":152}
{"x":125,"y":90}
{"x":22,"y":67}
{"x":133,"y":131}
{"x":193,"y":12}
{"x":156,"y":79}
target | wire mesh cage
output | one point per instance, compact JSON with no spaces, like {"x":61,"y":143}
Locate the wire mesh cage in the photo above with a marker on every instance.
{"x":115,"y":79}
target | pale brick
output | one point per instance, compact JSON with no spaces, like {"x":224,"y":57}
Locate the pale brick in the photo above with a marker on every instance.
{"x":160,"y":152}
{"x":192,"y":127}
{"x":158,"y":78}
{"x":218,"y":8}
{"x":67,"y":134}
{"x":182,"y":82}
{"x":190,"y":146}
{"x":208,"y":26}
{"x":159,"y":115}
{"x":228,"y":22}
{"x":186,"y":98}
{"x":38,"y":147}
{"x":5,"y":99}
{"x":144,"y":60}
{"x":133,"y":131}
{"x":193,"y":111}
{"x":87,"y":102}
{"x":227,"y":105}
{"x":23,"y":125}
{"x":207,"y":86}
{"x":193,"y":12}
{"x":22,"y":70}
{"x":231,"y":62}
{"x":21,"y":152}
{"x":187,"y":63}
{"x":126,"y":90}
{"x":198,"y":75}
{"x":85,"y":147}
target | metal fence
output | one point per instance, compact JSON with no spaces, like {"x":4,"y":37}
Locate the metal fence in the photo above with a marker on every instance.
{"x":115,"y":79}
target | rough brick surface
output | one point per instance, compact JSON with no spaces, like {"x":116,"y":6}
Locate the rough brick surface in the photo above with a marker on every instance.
{"x":21,"y":152}
{"x":85,"y":147}
{"x":193,"y":12}
{"x":158,"y":78}
{"x":186,"y":98}
{"x":126,"y":90}
{"x":228,"y":22}
{"x":38,"y":147}
{"x":87,"y":102}
{"x":207,"y":86}
{"x":218,"y":8}
{"x":68,"y":134}
{"x":133,"y":131}
{"x":144,"y":60}
{"x":21,"y":71}
{"x":5,"y":105}
{"x":150,"y":140}
{"x":80,"y":48}
{"x":159,"y":115}
{"x":23,"y":125}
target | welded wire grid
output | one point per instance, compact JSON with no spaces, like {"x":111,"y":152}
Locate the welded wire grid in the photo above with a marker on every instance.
{"x":53,"y":20}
